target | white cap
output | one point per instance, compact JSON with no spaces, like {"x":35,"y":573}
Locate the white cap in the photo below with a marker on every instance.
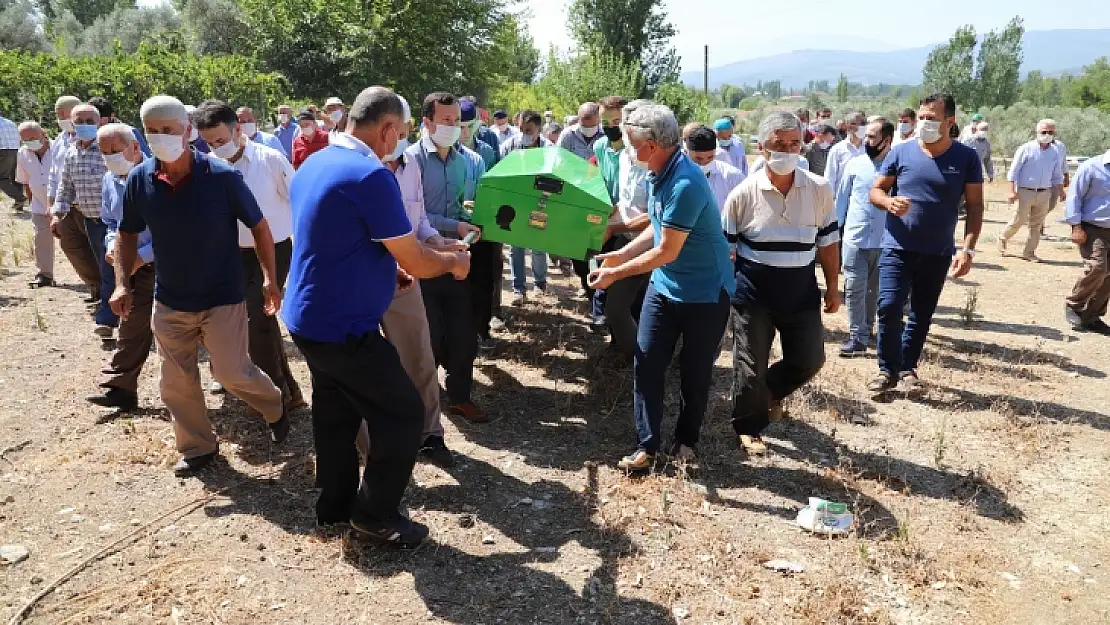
{"x":189,"y":108}
{"x":334,"y":100}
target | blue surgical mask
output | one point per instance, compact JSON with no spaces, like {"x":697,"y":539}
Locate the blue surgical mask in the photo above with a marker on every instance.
{"x":724,"y":143}
{"x":85,"y":132}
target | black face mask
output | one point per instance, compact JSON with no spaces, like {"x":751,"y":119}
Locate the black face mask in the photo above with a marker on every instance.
{"x":613,"y":133}
{"x":874,"y":151}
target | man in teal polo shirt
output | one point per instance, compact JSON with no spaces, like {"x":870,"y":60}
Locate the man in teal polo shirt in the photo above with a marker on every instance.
{"x":691,"y":283}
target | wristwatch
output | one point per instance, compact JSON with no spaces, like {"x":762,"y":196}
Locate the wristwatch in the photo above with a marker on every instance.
{"x":969,"y":252}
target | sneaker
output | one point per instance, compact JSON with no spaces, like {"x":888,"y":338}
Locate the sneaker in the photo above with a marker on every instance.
{"x":517,"y":298}
{"x":753,"y":444}
{"x":852,"y":348}
{"x":403,"y":533}
{"x":469,"y":411}
{"x":435,"y":450}
{"x":104,"y":331}
{"x":909,"y":382}
{"x":1001,"y":246}
{"x":496,"y":324}
{"x":637,"y":462}
{"x":776,"y":411}
{"x":486,"y":344}
{"x":1033,"y":258}
{"x":882,"y":382}
{"x":41,"y":281}
{"x":215,"y":387}
{"x":189,"y":466}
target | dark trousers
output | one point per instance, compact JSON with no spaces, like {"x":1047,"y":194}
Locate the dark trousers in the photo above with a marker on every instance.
{"x":95,"y":230}
{"x":11,"y":188}
{"x":74,"y":242}
{"x":662,"y":322}
{"x":265,"y":344}
{"x":447,"y":302}
{"x":486,"y":266}
{"x":755,"y":384}
{"x":360,"y":380}
{"x":135,"y":334}
{"x":1091,"y":292}
{"x":918,"y":278}
{"x":582,"y":270}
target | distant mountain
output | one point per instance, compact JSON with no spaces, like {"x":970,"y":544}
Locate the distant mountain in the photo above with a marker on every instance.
{"x":1050,"y":51}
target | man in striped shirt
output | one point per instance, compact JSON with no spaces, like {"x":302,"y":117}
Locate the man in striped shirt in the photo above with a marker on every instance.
{"x":782,"y":221}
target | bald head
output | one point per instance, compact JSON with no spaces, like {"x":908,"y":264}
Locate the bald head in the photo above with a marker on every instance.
{"x":374,"y":103}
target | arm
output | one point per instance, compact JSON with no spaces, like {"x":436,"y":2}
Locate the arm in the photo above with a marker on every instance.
{"x":126,"y":254}
{"x":1058,"y":178}
{"x":670,"y":245}
{"x":267,"y":259}
{"x":843,"y":198}
{"x":642,"y":243}
{"x":66,"y":191}
{"x":638,"y":224}
{"x":973,"y":198}
{"x":828,"y":247}
{"x":880,"y":192}
{"x":1012,"y":176}
{"x":421,"y":261}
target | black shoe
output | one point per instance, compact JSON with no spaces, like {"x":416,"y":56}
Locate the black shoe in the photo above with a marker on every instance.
{"x":435,"y":450}
{"x":124,"y":400}
{"x":852,"y":348}
{"x":93,"y":298}
{"x":189,"y":466}
{"x":402,"y":533}
{"x":1074,"y":320}
{"x":1098,"y":326}
{"x":279,"y":430}
{"x":41,"y":281}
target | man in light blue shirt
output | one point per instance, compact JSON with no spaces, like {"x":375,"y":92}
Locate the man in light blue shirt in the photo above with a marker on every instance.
{"x":864,"y":225}
{"x":286,"y":129}
{"x":1088,"y":212}
{"x":731,"y":146}
{"x":1035,"y":173}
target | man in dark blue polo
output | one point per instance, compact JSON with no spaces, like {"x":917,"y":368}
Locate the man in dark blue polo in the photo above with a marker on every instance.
{"x":350,"y":233}
{"x":192,"y":205}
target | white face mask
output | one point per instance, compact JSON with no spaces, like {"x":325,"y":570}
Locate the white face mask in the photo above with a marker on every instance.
{"x":397,"y":151}
{"x":118,"y":164}
{"x":982,"y":134}
{"x":588,"y":131}
{"x":782,"y":163}
{"x":705,"y":169}
{"x":166,"y":148}
{"x":249,"y":128}
{"x":905,"y":128}
{"x":66,"y":125}
{"x":445,"y":136}
{"x":928,"y":130}
{"x":861,"y":133}
{"x":824,"y":145}
{"x":227,"y":150}
{"x":336,"y":115}
{"x":285,"y":118}
{"x":34,"y":145}
{"x":1045,"y":138}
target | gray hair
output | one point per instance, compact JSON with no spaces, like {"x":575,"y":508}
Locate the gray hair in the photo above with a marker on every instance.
{"x":551,"y":127}
{"x":1047,"y":122}
{"x":632,"y":106}
{"x":117,"y":130}
{"x":85,"y":107}
{"x":589,"y":108}
{"x":67,"y":102}
{"x":654,"y":122}
{"x":570,"y":120}
{"x":30,"y":125}
{"x":778,"y":121}
{"x":876,"y":118}
{"x":373,"y":103}
{"x":855,"y":116}
{"x":164,"y":107}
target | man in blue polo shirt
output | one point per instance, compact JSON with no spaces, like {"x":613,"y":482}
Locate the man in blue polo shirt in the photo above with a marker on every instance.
{"x":931,"y":174}
{"x":350,"y":232}
{"x":691,"y":281}
{"x":192,"y":205}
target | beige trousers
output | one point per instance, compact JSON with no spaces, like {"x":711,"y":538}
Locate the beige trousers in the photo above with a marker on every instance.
{"x":1032,"y":209}
{"x":223,"y":332}
{"x":44,"y":244}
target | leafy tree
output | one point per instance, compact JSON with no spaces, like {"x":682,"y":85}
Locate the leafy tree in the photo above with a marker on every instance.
{"x":214,"y":26}
{"x":123,"y":27}
{"x":749,"y":103}
{"x":19,"y":28}
{"x":772,"y":89}
{"x":842,"y":89}
{"x":997,"y":69}
{"x":514,"y":56}
{"x":1092,"y":88}
{"x":949,"y":67}
{"x":85,"y":11}
{"x":636,"y":30}
{"x":587,"y":77}
{"x":688,"y":104}
{"x":813,"y":102}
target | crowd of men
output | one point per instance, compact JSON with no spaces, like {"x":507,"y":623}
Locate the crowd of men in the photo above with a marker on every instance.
{"x":200,"y":229}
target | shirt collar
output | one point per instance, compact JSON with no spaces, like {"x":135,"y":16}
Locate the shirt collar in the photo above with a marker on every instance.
{"x":763,"y":181}
{"x":350,"y":142}
{"x":669,"y":168}
{"x":249,"y":153}
{"x":430,"y":146}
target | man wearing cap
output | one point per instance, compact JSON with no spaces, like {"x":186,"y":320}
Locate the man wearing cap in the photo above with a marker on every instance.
{"x":970,"y":129}
{"x":312,"y":138}
{"x":249,"y":125}
{"x":502,"y":129}
{"x":701,"y":145}
{"x":580,"y":139}
{"x":732,"y":147}
{"x":483,"y":133}
{"x":336,"y":113}
{"x":286,"y":130}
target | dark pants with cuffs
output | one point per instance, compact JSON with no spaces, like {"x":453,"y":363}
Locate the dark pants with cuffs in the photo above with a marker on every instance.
{"x":135,"y":335}
{"x":447,"y":302}
{"x":360,"y":380}
{"x":266,"y":346}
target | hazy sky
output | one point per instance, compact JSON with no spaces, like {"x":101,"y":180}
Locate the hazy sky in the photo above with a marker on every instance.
{"x":740,"y":29}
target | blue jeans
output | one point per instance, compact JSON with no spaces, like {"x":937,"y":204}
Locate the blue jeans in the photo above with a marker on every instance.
{"x":861,"y":291}
{"x":662,"y":322}
{"x":901,"y":272}
{"x":516,"y":268}
{"x":96,"y":231}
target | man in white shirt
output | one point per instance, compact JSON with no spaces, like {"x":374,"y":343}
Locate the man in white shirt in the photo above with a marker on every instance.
{"x":31,"y":170}
{"x":731,"y":145}
{"x":907,"y":126}
{"x":267,"y":174}
{"x":249,"y":125}
{"x":701,"y":146}
{"x":846,"y":150}
{"x":502,"y":128}
{"x":1035,"y":172}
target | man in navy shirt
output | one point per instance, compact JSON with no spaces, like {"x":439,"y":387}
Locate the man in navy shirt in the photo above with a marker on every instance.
{"x":350,"y":231}
{"x":930,"y":175}
{"x":192,"y":205}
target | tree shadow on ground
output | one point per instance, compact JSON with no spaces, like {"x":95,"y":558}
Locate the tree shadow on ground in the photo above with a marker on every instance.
{"x":1011,"y":356}
{"x":952,"y":399}
{"x":1019,"y":329}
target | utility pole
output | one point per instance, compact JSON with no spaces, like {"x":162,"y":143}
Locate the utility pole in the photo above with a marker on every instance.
{"x":705,"y":74}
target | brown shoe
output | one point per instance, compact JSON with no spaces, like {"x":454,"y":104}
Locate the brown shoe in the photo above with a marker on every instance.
{"x":469,"y":411}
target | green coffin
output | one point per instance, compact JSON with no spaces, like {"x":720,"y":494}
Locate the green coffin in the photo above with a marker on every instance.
{"x":545,"y":199}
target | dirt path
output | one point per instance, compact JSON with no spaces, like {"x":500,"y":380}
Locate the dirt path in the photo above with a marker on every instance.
{"x":981,"y":502}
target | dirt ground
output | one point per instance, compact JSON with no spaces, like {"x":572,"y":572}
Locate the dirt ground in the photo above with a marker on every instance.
{"x":983,"y":501}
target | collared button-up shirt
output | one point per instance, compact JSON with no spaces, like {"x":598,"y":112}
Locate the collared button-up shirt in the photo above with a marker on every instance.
{"x":58,"y":148}
{"x":475,"y":169}
{"x":516,"y":142}
{"x":488,"y":154}
{"x":982,"y":147}
{"x":632,"y":195}
{"x":412,"y":193}
{"x":267,"y":173}
{"x":1089,"y":197}
{"x":572,"y":139}
{"x":723,"y":178}
{"x":1036,"y":167}
{"x":863,"y":222}
{"x":444,"y":183}
{"x":285,"y":135}
{"x":510,"y":132}
{"x":9,"y":134}
{"x":81,"y":181}
{"x":32,"y":171}
{"x":839,"y":156}
{"x":111,"y":213}
{"x":734,"y":155}
{"x":266,"y":138}
{"x":608,"y":163}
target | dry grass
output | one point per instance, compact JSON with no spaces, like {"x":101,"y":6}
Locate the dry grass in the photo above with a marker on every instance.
{"x":976,"y":503}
